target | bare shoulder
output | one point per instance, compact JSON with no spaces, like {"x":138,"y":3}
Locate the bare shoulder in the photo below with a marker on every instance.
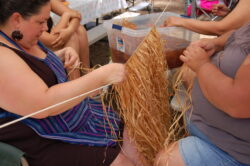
{"x":8,"y":56}
{"x":10,"y":63}
{"x":5,"y":50}
{"x":18,"y":83}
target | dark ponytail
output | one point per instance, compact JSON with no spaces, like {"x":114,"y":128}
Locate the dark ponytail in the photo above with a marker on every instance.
{"x":26,"y":8}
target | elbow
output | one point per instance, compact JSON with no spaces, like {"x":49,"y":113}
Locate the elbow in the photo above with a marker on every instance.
{"x":220,"y":30}
{"x":38,"y":110}
{"x":233,"y":114}
{"x":40,"y":114}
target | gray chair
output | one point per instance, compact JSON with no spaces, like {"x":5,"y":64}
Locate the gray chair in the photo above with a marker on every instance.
{"x":11,"y":156}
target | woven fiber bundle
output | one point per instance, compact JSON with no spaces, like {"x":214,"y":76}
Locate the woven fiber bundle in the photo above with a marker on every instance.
{"x":143,"y":98}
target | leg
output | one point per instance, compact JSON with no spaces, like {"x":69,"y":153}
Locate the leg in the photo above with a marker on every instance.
{"x":84,"y":46}
{"x":129,"y":149}
{"x":74,"y":43}
{"x":122,"y":160}
{"x":128,"y":156}
{"x":169,"y":157}
{"x":194,"y":151}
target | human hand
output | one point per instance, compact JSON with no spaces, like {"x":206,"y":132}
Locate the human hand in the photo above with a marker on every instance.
{"x":70,"y":58}
{"x":173,"y":21}
{"x":71,"y":62}
{"x":195,"y":57}
{"x":220,"y":10}
{"x":62,"y":38}
{"x":115,"y":73}
{"x":206,"y":44}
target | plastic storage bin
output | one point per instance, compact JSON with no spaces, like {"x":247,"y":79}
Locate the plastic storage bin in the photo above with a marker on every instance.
{"x":124,"y":41}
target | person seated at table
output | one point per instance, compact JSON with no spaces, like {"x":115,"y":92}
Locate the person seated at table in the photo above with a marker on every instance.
{"x":68,"y":32}
{"x":219,"y":120}
{"x":235,"y":19}
{"x":220,"y":10}
{"x":77,"y":132}
{"x":73,"y":72}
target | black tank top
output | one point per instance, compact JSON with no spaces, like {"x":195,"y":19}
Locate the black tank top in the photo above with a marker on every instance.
{"x":39,"y":67}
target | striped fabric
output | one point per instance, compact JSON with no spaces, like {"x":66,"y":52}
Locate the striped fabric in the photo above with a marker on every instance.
{"x":85,"y":124}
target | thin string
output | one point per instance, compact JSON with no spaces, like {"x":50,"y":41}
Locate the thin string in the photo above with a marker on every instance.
{"x":52,"y":106}
{"x":165,"y":9}
{"x":167,"y":5}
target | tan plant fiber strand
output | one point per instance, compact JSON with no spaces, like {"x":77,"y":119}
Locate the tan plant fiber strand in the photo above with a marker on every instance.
{"x":143,"y":97}
{"x":127,"y":24}
{"x":143,"y":100}
{"x":178,"y":125}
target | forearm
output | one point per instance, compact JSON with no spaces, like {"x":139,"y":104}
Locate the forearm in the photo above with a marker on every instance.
{"x":48,"y":38}
{"x":235,"y":19}
{"x":203,"y":27}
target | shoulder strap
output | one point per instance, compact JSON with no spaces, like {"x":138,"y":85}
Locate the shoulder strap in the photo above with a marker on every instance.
{"x":5,"y":45}
{"x":20,"y":53}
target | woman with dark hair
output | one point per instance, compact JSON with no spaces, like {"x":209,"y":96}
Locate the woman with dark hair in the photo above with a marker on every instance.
{"x":32,"y":77}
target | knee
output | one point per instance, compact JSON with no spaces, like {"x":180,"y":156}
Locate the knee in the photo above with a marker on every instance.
{"x":169,"y":156}
{"x":122,"y":160}
{"x":81,"y":31}
{"x":82,"y":36}
{"x":161,"y":158}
